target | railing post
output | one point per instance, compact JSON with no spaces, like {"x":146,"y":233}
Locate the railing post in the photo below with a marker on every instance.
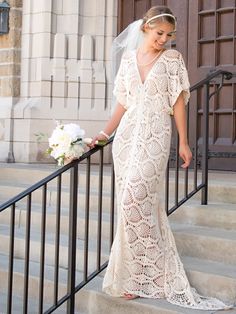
{"x":72,"y":238}
{"x":100,"y":191}
{"x":205,"y":144}
{"x":112,"y":213}
{"x":11,"y":258}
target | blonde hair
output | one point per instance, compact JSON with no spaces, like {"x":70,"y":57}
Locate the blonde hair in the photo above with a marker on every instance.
{"x":156,"y":10}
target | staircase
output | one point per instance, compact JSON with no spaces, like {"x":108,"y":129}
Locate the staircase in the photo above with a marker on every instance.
{"x":205,"y":237}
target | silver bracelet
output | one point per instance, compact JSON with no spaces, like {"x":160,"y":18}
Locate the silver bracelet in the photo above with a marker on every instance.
{"x":106,"y":135}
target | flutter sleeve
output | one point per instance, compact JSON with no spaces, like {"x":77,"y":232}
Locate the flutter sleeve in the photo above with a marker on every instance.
{"x":179,"y":82}
{"x":120,"y":89}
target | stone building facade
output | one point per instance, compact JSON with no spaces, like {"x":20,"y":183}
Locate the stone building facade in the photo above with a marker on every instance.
{"x":54,"y":68}
{"x":10,"y":71}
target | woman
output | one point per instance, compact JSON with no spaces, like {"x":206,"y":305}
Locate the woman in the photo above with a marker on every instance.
{"x":151,"y":84}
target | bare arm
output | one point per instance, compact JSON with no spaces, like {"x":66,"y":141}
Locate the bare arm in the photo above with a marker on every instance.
{"x":180,"y":121}
{"x":114,"y":121}
{"x":112,"y":124}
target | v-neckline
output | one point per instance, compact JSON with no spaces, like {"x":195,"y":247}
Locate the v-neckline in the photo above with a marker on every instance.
{"x":149,"y":72}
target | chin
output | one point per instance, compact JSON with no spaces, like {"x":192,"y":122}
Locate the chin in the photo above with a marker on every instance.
{"x":159,"y":47}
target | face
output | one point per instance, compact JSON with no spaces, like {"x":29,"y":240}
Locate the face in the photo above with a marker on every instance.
{"x":158,"y":36}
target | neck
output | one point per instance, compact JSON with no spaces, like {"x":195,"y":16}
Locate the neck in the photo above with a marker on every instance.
{"x":148,"y":50}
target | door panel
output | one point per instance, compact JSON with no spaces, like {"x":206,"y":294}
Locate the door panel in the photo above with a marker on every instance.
{"x":212,"y":46}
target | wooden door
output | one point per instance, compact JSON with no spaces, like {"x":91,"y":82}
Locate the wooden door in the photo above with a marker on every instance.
{"x":211,"y":46}
{"x":206,"y":36}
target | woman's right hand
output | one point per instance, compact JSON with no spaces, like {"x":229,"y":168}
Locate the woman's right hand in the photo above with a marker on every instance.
{"x":99,"y":137}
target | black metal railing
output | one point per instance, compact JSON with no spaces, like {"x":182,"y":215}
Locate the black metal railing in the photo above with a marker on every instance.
{"x":47,"y":186}
{"x":50,"y":193}
{"x":202,"y":183}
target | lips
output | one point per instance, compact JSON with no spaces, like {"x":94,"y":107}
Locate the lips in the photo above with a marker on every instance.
{"x":159,"y":45}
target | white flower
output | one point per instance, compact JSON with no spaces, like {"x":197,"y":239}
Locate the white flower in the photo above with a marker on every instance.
{"x":66,"y":141}
{"x":60,"y":137}
{"x":74,"y":131}
{"x":75,"y":151}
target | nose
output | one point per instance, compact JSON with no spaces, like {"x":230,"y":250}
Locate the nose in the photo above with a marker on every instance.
{"x":164,"y":38}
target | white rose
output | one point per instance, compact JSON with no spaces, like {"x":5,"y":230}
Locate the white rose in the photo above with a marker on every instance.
{"x":75,"y":151}
{"x":57,"y":152}
{"x":74,"y":131}
{"x":59,"y":137}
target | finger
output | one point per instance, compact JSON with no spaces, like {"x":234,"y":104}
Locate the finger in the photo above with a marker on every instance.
{"x":186,"y":163}
{"x":183,"y":156}
{"x":92,"y":144}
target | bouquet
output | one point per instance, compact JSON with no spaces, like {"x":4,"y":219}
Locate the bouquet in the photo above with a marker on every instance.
{"x":67,"y":143}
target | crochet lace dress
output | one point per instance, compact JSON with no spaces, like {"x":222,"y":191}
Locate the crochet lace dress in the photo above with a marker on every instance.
{"x":144,"y":260}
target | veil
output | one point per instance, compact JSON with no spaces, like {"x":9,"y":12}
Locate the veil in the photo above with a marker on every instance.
{"x":129,"y":39}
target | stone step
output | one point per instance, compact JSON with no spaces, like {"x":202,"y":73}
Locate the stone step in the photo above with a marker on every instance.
{"x":207,"y":243}
{"x":199,"y":272}
{"x":216,"y":215}
{"x":192,"y":240}
{"x":217,"y":194}
{"x":8,"y":190}
{"x":35,"y":246}
{"x":36,"y":215}
{"x":18,"y":283}
{"x":211,"y":278}
{"x":222,"y":185}
{"x":31,"y":173}
{"x":105,"y":304}
{"x":17,"y":305}
{"x":213,"y":215}
{"x":24,"y":176}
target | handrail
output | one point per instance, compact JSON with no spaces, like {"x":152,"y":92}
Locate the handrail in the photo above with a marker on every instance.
{"x":52,"y":176}
{"x":203,"y":186}
{"x":72,"y":287}
{"x":227,"y":75}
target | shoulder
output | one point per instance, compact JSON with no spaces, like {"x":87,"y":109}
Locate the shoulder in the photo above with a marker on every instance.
{"x":175,"y":57}
{"x":127,"y":55}
{"x":173,"y":54}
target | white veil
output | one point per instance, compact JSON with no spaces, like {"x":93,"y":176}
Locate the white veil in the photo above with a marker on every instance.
{"x":129,"y":39}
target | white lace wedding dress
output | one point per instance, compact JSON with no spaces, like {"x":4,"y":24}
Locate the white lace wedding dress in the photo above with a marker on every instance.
{"x":144,"y":260}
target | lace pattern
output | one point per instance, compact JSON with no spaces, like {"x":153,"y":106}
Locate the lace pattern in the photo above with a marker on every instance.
{"x":144,"y":259}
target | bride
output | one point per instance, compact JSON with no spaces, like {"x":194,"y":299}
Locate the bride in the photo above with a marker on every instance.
{"x":151,"y":85}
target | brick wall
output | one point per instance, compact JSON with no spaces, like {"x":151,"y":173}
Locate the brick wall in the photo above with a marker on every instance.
{"x":10,"y":53}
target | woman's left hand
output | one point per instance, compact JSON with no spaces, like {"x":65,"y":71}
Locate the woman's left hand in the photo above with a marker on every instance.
{"x":186,"y":154}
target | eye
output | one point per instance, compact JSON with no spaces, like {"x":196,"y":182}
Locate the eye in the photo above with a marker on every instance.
{"x":159,"y":33}
{"x":171,"y":34}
